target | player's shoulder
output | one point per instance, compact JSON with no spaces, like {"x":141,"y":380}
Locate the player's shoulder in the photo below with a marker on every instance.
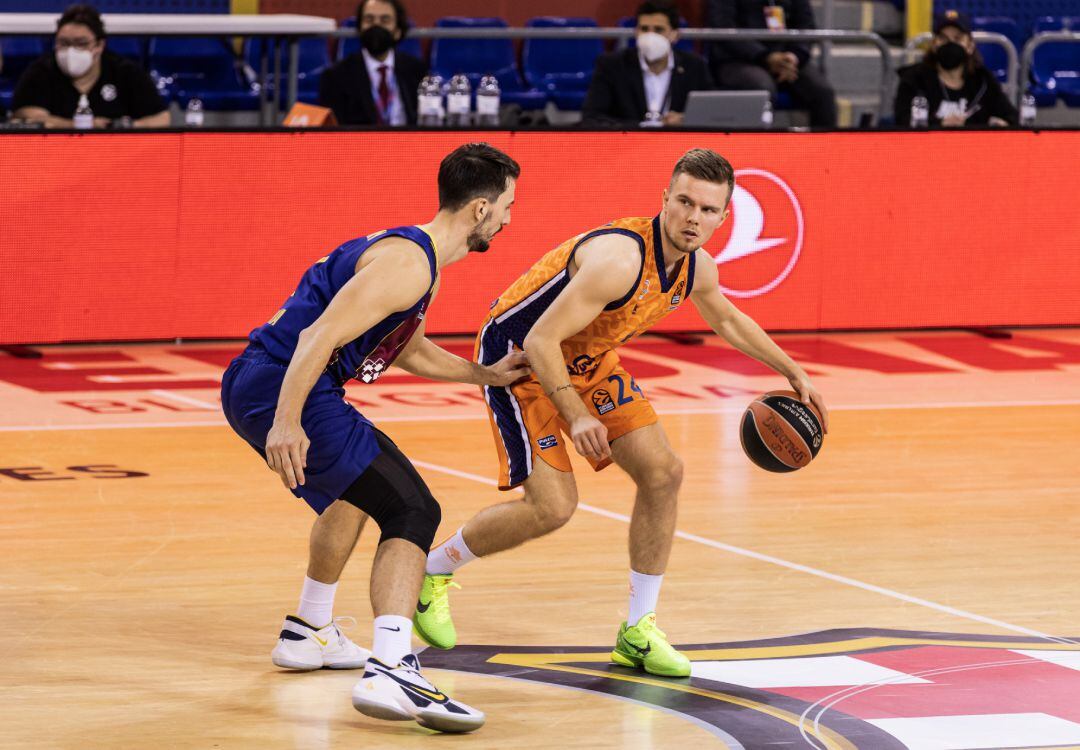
{"x":614,"y":250}
{"x":395,"y":252}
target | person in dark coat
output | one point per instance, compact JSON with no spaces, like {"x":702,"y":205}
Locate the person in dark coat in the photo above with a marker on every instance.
{"x":771,"y":66}
{"x":958,"y":87}
{"x":377,"y":85}
{"x":647,"y":84}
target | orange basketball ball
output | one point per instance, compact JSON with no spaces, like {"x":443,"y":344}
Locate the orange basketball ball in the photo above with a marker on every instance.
{"x":780,"y":433}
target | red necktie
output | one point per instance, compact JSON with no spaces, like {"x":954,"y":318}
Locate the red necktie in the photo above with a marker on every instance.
{"x":384,"y":95}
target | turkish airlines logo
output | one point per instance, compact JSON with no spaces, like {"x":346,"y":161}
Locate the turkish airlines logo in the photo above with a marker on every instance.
{"x":763,"y":237}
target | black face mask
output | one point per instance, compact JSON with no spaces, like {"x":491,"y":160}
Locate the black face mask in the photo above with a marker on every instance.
{"x":951,"y":55}
{"x":376,"y":40}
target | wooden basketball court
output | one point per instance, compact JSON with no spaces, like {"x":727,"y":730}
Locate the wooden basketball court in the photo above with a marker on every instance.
{"x":915,"y":586}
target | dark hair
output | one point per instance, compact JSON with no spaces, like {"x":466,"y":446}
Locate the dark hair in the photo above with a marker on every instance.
{"x":667,"y":7}
{"x":475,"y":170}
{"x":401,"y":16}
{"x":87,"y":15}
{"x":706,"y":164}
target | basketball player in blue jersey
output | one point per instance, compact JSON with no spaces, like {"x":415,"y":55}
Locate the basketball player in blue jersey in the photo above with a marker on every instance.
{"x":354,"y":313}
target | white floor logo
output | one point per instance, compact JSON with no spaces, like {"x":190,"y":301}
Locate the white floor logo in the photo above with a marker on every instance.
{"x":764,"y":236}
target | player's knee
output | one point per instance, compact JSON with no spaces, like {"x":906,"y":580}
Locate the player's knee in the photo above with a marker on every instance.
{"x":552,"y":516}
{"x":664,"y":476}
{"x":416,"y":521}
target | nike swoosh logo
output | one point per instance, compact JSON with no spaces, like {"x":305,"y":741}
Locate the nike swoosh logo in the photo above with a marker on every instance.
{"x":437,"y":697}
{"x":642,"y":651}
{"x":320,"y":640}
{"x":392,"y":630}
{"x":422,"y":607}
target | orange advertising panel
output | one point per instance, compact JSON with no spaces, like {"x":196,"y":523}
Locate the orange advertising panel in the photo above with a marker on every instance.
{"x":157,"y":236}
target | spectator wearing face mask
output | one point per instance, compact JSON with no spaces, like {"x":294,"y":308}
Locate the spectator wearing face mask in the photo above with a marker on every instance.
{"x":646,"y":84}
{"x":50,"y":89}
{"x":957,"y":85}
{"x":377,"y":85}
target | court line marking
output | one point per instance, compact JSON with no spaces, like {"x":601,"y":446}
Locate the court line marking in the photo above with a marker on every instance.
{"x":483,"y":416}
{"x":162,"y":393}
{"x":761,"y":557}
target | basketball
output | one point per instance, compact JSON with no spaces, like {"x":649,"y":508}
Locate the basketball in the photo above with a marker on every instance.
{"x":780,"y":433}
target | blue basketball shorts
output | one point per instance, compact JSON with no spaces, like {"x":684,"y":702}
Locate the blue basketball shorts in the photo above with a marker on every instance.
{"x":343,"y":441}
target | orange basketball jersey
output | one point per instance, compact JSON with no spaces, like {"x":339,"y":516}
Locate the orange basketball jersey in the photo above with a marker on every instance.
{"x":651,"y":298}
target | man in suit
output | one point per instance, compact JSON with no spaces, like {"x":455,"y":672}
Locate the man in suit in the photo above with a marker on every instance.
{"x":377,"y":85}
{"x":771,"y":66}
{"x":648,"y":84}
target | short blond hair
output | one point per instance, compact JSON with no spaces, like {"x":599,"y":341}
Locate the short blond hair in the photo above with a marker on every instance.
{"x":705,"y":164}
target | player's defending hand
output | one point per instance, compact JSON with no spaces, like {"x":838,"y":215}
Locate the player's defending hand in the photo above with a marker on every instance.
{"x":514,"y":366}
{"x":286,"y":452}
{"x":590,"y":438}
{"x":811,"y":396}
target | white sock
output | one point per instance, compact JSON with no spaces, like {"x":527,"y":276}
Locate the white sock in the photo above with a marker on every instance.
{"x":449,"y":556}
{"x":316,"y":603}
{"x":392,"y":639}
{"x":644,"y":591}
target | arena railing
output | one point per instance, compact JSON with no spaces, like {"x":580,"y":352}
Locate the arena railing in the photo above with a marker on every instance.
{"x":1028,"y":55}
{"x":817,"y":37}
{"x":981,"y":37}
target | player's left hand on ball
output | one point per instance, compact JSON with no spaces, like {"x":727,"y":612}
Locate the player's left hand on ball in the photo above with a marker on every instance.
{"x":811,"y":396}
{"x":286,"y":452}
{"x":514,"y":366}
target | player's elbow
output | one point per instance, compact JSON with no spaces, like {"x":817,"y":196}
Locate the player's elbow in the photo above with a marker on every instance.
{"x":534,"y":344}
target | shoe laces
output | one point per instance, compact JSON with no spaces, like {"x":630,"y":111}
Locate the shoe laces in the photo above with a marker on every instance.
{"x":343,"y":622}
{"x":647,"y":626}
{"x":440,"y":598}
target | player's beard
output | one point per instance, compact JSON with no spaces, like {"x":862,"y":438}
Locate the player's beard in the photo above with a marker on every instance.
{"x":478,"y":241}
{"x":679,"y":243}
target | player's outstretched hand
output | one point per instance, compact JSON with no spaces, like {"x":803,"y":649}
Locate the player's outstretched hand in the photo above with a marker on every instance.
{"x":286,"y":452}
{"x":590,"y":438}
{"x":811,"y":396}
{"x":514,"y":366}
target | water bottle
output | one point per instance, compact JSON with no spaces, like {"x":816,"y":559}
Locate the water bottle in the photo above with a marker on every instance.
{"x":767,"y":115}
{"x":1027,"y":111}
{"x":920,"y":112}
{"x":459,"y":102}
{"x":84,"y":116}
{"x":193,"y":115}
{"x":430,"y":102}
{"x":488,"y":98}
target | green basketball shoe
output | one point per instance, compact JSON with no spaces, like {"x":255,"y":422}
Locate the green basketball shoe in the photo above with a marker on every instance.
{"x":431,"y":621}
{"x":644,"y":646}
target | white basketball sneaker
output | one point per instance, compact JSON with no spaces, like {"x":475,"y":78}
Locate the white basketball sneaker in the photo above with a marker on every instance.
{"x":301,"y":646}
{"x":401,"y":693}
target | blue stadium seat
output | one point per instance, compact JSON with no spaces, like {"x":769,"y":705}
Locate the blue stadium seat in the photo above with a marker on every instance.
{"x":351,"y":44}
{"x":314,"y":58}
{"x":630,"y":22}
{"x":562,"y":68}
{"x":1055,"y":70}
{"x":203,"y":67}
{"x":993,"y":55}
{"x":18,"y":52}
{"x":477,"y":57}
{"x":131,"y":47}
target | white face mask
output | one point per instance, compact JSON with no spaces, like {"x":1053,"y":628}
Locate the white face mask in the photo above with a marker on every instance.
{"x":653,"y":46}
{"x":74,"y":62}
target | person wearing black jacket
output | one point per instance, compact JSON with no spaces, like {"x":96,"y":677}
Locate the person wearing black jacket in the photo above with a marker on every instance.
{"x":377,"y":85}
{"x":958,"y":87}
{"x":648,"y":84}
{"x":771,"y":66}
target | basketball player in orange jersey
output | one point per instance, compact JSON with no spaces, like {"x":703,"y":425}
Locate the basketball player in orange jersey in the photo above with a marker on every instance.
{"x":569,"y":313}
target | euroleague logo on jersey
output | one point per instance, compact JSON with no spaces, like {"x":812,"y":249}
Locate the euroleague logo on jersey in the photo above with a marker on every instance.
{"x":762,"y":239}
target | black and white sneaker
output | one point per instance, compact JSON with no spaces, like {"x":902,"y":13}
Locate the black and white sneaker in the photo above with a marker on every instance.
{"x":401,"y":693}
{"x":303,"y":647}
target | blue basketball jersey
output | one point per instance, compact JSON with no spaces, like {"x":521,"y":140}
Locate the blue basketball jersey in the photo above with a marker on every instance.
{"x":366,"y":357}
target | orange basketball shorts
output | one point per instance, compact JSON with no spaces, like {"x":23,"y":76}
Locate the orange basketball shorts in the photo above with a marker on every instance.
{"x":528,"y":428}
